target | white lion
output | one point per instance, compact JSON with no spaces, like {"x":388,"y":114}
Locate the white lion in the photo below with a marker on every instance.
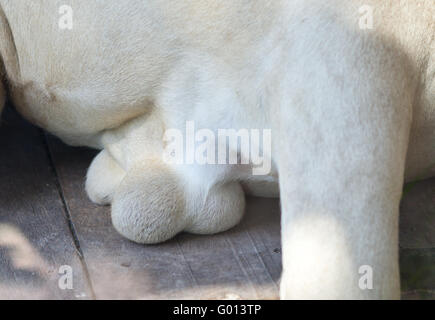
{"x":347,"y":88}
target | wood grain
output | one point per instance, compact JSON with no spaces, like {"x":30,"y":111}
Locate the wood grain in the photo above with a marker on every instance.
{"x":34,"y":236}
{"x":417,"y":215}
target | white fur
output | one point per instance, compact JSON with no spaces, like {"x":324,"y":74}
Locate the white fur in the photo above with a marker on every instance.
{"x":352,"y":114}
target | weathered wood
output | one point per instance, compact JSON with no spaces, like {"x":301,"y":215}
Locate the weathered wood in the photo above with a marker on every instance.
{"x":417,"y":215}
{"x":417,"y":240}
{"x":418,"y":295}
{"x":35,"y":240}
{"x":242,"y":263}
{"x":417,"y":269}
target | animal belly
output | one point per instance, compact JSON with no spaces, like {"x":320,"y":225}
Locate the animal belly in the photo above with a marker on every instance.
{"x":75,"y":117}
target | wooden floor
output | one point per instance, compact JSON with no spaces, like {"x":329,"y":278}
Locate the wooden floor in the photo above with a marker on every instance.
{"x":46,"y":221}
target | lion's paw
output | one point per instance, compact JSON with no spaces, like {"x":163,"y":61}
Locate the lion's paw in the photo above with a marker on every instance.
{"x":103,"y":178}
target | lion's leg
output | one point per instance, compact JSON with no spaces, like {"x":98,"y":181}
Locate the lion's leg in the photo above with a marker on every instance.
{"x":340,"y":205}
{"x":340,"y":153}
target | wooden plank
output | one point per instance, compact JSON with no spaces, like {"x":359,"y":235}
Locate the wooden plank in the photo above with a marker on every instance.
{"x":417,"y":215}
{"x":418,"y":295}
{"x":417,"y":269}
{"x":241,"y":263}
{"x":35,"y":240}
{"x":244,"y":262}
{"x":417,"y":240}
